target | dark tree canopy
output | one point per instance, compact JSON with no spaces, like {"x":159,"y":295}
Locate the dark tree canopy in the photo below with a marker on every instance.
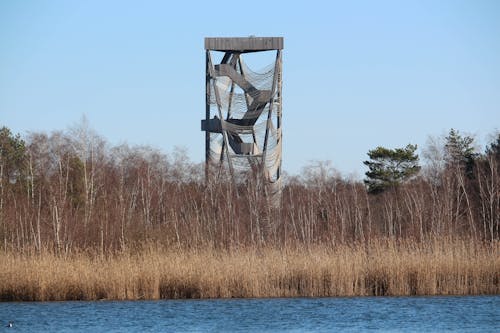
{"x":460,"y":151}
{"x":390,"y":167}
{"x":494,"y":148}
{"x":12,"y":155}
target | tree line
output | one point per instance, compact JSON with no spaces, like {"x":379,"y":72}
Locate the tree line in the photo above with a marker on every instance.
{"x":72,"y":190}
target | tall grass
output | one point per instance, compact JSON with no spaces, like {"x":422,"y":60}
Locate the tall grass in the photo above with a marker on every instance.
{"x":380,"y":267}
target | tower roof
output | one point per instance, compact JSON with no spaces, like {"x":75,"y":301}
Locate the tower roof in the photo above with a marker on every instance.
{"x":243,"y":44}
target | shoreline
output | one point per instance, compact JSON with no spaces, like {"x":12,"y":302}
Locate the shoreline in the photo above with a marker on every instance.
{"x":257,"y":298}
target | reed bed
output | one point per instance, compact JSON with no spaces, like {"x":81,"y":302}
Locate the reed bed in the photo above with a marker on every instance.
{"x":382,"y":267}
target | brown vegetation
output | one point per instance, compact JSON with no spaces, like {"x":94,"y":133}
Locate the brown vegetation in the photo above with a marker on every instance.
{"x":76,"y":215}
{"x":376,"y":268}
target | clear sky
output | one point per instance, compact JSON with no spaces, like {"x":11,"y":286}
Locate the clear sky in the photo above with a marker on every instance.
{"x":356,"y":74}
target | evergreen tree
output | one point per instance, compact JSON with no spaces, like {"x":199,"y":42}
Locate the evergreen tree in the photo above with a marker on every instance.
{"x":460,"y":152}
{"x":390,"y":167}
{"x":12,"y":167}
{"x":494,"y":148}
{"x":12,"y":156}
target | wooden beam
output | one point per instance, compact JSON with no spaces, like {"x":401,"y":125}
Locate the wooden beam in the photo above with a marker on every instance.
{"x":243,"y":44}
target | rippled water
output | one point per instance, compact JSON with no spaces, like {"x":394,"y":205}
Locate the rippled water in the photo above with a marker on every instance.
{"x":367,"y":314}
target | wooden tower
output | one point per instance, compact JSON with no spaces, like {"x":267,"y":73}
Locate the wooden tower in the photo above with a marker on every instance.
{"x":243,"y":111}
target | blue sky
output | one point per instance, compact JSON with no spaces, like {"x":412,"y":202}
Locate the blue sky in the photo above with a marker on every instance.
{"x":357,"y":74}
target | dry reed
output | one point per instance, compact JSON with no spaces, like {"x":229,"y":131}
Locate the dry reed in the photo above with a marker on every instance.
{"x":381,"y":267}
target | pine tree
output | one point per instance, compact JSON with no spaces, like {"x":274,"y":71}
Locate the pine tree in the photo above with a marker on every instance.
{"x":460,"y":152}
{"x":390,"y":167}
{"x":12,"y":156}
{"x":494,"y":148}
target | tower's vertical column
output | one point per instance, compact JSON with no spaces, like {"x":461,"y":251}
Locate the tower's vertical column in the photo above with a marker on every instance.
{"x":207,"y":115}
{"x":279,"y":109}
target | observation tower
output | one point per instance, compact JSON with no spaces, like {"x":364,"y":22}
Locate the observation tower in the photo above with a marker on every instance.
{"x":243,"y":110}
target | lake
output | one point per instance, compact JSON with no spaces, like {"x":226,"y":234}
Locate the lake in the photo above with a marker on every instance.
{"x":357,"y":314}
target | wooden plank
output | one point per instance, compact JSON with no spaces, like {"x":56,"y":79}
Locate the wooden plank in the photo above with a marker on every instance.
{"x":211,"y":125}
{"x":243,"y":44}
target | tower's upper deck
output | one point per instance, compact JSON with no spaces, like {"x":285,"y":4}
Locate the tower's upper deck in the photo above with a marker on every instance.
{"x":243,"y":44}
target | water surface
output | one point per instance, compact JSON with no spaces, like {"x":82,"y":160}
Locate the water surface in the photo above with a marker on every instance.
{"x":363,"y":314}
